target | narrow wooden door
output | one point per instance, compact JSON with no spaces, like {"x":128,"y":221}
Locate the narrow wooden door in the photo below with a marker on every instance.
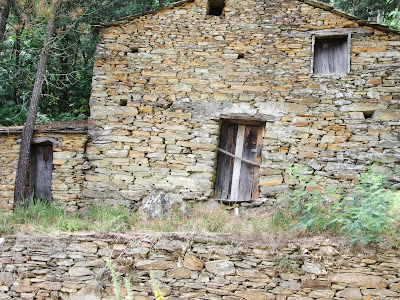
{"x":238,"y":162}
{"x":40,"y":172}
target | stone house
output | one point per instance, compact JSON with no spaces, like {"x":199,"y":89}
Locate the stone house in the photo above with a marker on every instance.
{"x":214,"y":99}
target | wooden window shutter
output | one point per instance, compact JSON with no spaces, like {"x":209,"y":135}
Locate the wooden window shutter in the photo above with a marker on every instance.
{"x":238,"y":162}
{"x":331,"y":55}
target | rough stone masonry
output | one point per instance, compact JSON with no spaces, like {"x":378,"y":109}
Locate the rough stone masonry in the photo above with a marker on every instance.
{"x":168,"y":83}
{"x":165,"y":81}
{"x":73,"y":267}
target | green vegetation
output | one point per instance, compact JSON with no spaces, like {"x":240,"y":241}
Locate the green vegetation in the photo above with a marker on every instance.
{"x":116,"y":283}
{"x":129,"y":295}
{"x":67,"y":87}
{"x":369,"y":212}
{"x":382,"y":11}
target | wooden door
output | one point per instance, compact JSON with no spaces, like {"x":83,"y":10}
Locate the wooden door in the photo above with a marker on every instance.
{"x":238,"y":162}
{"x":41,"y":166}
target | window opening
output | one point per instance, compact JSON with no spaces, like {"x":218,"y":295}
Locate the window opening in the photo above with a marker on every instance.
{"x":368,"y":114}
{"x":331,"y":54}
{"x":216,"y":7}
{"x":123,"y":102}
{"x":240,"y":56}
{"x":239,"y":161}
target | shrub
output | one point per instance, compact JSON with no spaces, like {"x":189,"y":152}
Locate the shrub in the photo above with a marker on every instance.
{"x":365,"y":214}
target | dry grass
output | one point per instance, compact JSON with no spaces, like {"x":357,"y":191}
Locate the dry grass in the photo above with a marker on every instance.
{"x":209,"y":217}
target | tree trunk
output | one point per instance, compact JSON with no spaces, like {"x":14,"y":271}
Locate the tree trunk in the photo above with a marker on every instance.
{"x":17,"y":52}
{"x":27,"y":132}
{"x":4,"y":17}
{"x":161,"y":3}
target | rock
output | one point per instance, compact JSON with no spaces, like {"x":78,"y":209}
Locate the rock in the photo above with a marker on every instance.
{"x":159,"y":205}
{"x":91,"y":291}
{"x":316,"y":284}
{"x":322,"y":294}
{"x":360,"y":280}
{"x":6,"y":278}
{"x":179,"y":273}
{"x":253,"y":274}
{"x":328,"y":251}
{"x":50,"y":286}
{"x":192,"y":262}
{"x":2,"y":240}
{"x":86,"y":247}
{"x":254,"y":295}
{"x":221,"y":267}
{"x":352,"y":293}
{"x":155,"y":265}
{"x":313,"y":268}
{"x":79,"y":271}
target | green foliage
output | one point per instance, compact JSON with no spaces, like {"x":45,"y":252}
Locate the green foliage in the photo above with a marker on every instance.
{"x":384,"y":11}
{"x":67,"y":86}
{"x":364,"y":215}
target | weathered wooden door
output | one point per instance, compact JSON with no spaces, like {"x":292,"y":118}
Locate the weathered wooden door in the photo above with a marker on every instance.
{"x":238,"y":162}
{"x":40,"y":171}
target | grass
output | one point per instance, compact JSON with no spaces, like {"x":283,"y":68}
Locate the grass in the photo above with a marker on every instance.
{"x":44,"y":217}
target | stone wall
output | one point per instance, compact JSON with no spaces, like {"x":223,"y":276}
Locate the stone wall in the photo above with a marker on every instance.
{"x":68,"y":161}
{"x":196,"y":267}
{"x":163,"y":80}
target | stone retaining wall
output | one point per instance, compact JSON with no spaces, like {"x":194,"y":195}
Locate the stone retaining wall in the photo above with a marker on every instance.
{"x":196,"y":267}
{"x":68,"y":165}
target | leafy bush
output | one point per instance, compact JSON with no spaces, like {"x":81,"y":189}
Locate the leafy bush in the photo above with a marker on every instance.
{"x":366,"y":213}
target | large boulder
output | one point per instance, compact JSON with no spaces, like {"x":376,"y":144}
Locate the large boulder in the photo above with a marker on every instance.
{"x":161,"y":205}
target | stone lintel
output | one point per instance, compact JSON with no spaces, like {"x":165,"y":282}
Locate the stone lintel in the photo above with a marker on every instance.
{"x":328,"y":32}
{"x":247,"y":119}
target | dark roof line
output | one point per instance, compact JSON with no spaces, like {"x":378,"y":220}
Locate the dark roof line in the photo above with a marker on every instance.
{"x":64,"y":126}
{"x":375,"y":25}
{"x":128,"y":18}
{"x":314,"y":3}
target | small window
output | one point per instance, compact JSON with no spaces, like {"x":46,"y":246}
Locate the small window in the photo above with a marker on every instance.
{"x":239,"y":161}
{"x":216,"y":7}
{"x":331,"y":54}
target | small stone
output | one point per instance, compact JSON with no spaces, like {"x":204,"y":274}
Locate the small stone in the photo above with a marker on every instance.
{"x":313,"y":268}
{"x":155,"y":265}
{"x":322,"y":294}
{"x":316,"y":284}
{"x":254,"y":295}
{"x":179,"y":273}
{"x":79,"y":271}
{"x":192,"y":262}
{"x":352,"y":293}
{"x":360,"y":280}
{"x":221,"y":267}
